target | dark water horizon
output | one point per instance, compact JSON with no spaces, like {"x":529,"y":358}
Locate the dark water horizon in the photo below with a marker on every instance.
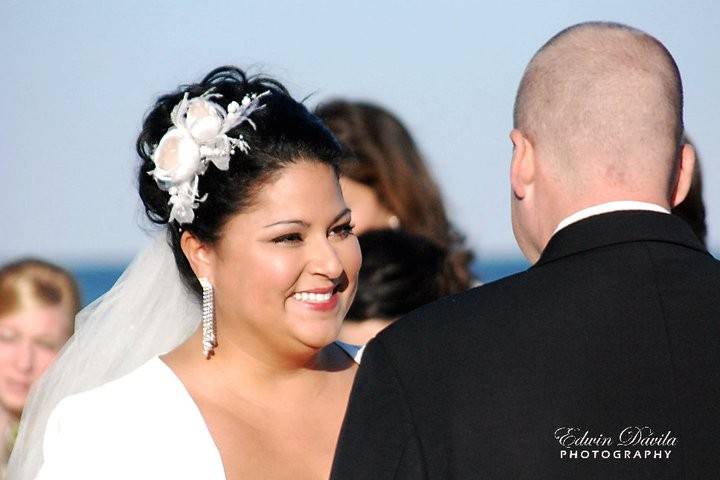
{"x":96,"y":279}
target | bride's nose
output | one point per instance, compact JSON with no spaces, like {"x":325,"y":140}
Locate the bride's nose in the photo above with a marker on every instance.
{"x":324,"y":260}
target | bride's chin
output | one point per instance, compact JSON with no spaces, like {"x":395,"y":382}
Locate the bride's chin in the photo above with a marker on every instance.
{"x":318,"y":340}
{"x":317,"y":335}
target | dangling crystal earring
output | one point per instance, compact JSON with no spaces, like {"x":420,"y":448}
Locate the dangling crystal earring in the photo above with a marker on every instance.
{"x":209,"y":341}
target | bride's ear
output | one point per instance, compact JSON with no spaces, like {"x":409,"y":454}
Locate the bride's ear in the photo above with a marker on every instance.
{"x":198,"y":254}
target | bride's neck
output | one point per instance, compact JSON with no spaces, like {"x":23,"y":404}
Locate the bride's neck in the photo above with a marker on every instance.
{"x":245,"y":363}
{"x":271,"y":361}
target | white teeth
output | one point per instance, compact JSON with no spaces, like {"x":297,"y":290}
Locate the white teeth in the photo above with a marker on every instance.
{"x":312,"y":297}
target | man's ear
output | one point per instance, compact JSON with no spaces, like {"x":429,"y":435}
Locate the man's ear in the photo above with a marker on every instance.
{"x":522,"y":166}
{"x":686,"y":168}
{"x":199,"y":255}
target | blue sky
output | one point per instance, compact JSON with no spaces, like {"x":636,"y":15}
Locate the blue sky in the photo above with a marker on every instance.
{"x":78,"y":77}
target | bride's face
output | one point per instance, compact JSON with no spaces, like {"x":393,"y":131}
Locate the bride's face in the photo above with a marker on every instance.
{"x":285,"y":270}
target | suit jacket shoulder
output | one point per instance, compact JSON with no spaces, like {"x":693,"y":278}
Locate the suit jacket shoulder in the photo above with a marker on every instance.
{"x":615,"y":327}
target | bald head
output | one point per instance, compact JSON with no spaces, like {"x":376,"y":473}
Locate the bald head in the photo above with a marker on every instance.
{"x":602,"y":103}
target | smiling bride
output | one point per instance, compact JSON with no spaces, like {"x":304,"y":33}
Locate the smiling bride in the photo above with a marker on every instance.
{"x":215,"y":355}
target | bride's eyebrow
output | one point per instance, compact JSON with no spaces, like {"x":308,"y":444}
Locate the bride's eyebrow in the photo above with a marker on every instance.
{"x":288,"y":222}
{"x":304,"y":224}
{"x":346,"y":211}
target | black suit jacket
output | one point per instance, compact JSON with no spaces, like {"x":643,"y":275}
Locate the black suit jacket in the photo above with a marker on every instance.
{"x":616,"y":326}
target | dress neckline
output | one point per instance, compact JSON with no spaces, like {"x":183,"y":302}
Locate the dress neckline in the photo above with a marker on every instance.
{"x":197,"y":417}
{"x":353,"y":351}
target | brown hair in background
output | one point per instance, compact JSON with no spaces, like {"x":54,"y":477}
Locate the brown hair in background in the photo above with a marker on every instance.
{"x":31,"y":281}
{"x":383,"y":155}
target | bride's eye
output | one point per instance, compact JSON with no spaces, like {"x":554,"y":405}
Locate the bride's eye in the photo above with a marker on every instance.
{"x":289,"y":238}
{"x":343,"y":231}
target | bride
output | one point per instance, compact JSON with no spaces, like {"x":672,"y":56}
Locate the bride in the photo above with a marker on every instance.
{"x":253,"y":384}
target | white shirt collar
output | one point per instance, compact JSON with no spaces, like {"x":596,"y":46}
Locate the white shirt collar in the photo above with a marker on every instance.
{"x":609,"y":207}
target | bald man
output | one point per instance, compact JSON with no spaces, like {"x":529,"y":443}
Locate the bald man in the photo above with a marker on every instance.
{"x":602,"y":361}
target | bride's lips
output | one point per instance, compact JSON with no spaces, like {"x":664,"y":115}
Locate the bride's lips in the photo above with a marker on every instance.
{"x":319,"y":299}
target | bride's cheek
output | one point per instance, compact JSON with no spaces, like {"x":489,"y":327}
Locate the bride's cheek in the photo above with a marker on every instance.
{"x":282,"y":269}
{"x":353,"y":258}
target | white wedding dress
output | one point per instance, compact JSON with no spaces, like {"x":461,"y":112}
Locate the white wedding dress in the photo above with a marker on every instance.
{"x":144,"y":425}
{"x":108,"y":407}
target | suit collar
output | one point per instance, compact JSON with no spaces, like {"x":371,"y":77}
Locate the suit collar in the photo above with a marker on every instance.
{"x":619,"y":227}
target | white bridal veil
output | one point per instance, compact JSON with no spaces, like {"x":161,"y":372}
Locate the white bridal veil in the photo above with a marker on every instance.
{"x":148,"y":312}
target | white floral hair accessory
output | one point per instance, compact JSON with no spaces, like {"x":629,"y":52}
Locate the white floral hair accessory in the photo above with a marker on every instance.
{"x":198,"y":136}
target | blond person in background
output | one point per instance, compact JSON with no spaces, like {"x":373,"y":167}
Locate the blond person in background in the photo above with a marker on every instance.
{"x":38,"y":302}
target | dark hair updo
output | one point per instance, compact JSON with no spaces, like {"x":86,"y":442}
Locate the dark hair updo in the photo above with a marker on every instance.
{"x":286,"y":132}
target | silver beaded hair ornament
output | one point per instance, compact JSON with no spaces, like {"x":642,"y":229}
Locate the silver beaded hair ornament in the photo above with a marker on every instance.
{"x":197,"y":138}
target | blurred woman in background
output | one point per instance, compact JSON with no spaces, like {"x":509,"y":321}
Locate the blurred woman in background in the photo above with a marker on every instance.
{"x":387,"y":184}
{"x":400,"y":272}
{"x":38,"y":302}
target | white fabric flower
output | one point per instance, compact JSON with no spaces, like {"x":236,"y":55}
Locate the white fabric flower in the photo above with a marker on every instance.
{"x":204,"y":119}
{"x":177,"y":157}
{"x":183,"y":201}
{"x":197,"y":139}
